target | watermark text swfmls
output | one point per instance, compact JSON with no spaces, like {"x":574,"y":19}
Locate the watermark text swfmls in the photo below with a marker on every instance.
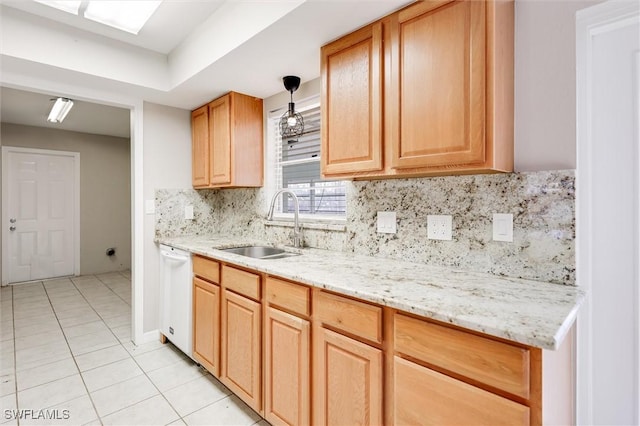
{"x":30,"y":414}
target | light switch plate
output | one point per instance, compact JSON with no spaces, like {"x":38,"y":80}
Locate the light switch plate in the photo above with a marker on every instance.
{"x":150,"y":206}
{"x":439,"y":227}
{"x":387,"y":222}
{"x":188,"y":212}
{"x":503,"y":227}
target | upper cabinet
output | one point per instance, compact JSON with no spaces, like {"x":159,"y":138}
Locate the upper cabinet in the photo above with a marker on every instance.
{"x":200,"y":147}
{"x":227,"y":142}
{"x":437,"y":99}
{"x":352,"y":102}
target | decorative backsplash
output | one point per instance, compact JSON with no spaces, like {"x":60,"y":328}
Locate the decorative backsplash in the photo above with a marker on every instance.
{"x":542,"y":204}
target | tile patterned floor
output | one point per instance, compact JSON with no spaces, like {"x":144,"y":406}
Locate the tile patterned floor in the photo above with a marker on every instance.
{"x":65,"y":351}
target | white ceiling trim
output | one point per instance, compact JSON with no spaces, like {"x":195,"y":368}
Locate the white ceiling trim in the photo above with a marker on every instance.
{"x":70,"y":48}
{"x":245,"y":46}
{"x":36,"y":39}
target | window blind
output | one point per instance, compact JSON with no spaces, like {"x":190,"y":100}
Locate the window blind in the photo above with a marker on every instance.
{"x":298,"y":168}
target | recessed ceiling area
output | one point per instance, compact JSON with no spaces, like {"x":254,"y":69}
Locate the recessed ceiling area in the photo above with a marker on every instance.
{"x":167,"y":27}
{"x":189,"y":52}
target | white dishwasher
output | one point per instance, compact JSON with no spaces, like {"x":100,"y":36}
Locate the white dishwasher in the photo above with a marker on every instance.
{"x":176,"y":309}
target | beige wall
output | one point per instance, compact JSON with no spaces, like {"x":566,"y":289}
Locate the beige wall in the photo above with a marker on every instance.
{"x":105,"y":190}
{"x":545,"y":86}
{"x":167,"y":164}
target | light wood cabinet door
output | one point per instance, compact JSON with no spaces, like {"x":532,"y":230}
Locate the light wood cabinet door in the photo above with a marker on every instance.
{"x":200,"y":147}
{"x":241,"y":348}
{"x":206,"y":325}
{"x":436,"y":88}
{"x":227,"y":139}
{"x":220,"y":140}
{"x":287,"y":369}
{"x":351,"y":70}
{"x":347,"y":381}
{"x":426,"y":397}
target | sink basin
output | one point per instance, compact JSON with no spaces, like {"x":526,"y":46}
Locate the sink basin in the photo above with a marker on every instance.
{"x":261,"y":252}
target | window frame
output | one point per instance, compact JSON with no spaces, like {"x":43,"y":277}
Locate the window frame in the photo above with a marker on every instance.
{"x":274,"y":163}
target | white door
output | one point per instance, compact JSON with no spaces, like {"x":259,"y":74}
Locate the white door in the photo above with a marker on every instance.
{"x":40,"y":198}
{"x":608,"y":228}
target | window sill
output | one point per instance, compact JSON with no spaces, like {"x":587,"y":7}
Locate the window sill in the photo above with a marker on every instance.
{"x":333,"y":225}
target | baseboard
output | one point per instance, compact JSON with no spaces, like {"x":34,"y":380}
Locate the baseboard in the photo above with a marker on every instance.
{"x":149,"y":336}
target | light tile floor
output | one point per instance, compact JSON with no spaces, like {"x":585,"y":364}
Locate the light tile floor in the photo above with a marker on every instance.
{"x":66,"y":351}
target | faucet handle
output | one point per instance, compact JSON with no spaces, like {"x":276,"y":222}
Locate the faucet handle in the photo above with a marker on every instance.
{"x":298,"y":238}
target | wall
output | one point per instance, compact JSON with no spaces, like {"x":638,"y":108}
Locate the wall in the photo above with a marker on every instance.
{"x":545,"y":84}
{"x":105,"y":190}
{"x":167,"y":164}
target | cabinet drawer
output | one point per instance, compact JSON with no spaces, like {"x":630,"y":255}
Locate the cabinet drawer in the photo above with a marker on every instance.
{"x":288,"y":295}
{"x":206,"y":268}
{"x":241,"y":282}
{"x":360,"y":319}
{"x":488,"y":361}
{"x":426,"y":397}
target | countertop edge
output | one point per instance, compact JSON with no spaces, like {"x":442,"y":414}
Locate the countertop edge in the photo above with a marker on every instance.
{"x":550,"y":341}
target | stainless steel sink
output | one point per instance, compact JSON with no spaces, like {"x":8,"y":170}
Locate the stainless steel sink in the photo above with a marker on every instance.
{"x":261,"y":252}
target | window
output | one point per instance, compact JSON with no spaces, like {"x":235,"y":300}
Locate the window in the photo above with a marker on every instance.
{"x":297,"y":167}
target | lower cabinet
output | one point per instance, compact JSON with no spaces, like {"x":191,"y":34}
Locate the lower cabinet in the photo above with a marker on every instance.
{"x":287,"y":369}
{"x":241,"y":347}
{"x":303,"y":356}
{"x":347,"y":381}
{"x":425,"y":397}
{"x":348,"y":361}
{"x":206,"y":324}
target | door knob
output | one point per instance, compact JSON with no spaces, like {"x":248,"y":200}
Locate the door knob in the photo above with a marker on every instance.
{"x":12,"y":220}
{"x":12,"y":228}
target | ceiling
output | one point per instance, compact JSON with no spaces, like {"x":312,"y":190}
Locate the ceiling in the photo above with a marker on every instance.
{"x":162,"y":33}
{"x":190,"y":52}
{"x":32,"y":109}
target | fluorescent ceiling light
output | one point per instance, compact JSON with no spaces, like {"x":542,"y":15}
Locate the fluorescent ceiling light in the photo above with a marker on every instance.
{"x":71,"y":6}
{"x":60,"y":110}
{"x":127,"y":16}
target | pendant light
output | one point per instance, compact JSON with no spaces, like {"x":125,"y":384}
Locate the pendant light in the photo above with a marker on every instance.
{"x":291,"y":123}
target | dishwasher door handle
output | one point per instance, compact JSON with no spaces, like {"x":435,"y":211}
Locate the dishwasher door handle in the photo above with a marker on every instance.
{"x":174,"y":257}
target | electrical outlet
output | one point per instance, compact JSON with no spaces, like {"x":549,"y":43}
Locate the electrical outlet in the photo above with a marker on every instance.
{"x":387,"y":222}
{"x":439,"y":227}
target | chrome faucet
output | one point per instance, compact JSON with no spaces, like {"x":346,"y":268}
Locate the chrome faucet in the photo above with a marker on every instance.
{"x":297,"y":229}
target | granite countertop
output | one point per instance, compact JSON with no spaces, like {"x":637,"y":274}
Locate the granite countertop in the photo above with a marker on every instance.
{"x":530,"y":312}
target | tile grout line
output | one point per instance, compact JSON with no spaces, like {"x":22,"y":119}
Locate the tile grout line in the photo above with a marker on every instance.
{"x":143,"y":371}
{"x":158,"y":389}
{"x":110,"y":330}
{"x":15,"y":360}
{"x":106,"y":285}
{"x":72,"y":355}
{"x":120,"y":344}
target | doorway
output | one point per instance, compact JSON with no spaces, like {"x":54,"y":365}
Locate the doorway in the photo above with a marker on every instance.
{"x":41,"y":204}
{"x":608,"y":211}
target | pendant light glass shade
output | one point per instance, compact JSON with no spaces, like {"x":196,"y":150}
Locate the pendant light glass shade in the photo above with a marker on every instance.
{"x":291,"y":122}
